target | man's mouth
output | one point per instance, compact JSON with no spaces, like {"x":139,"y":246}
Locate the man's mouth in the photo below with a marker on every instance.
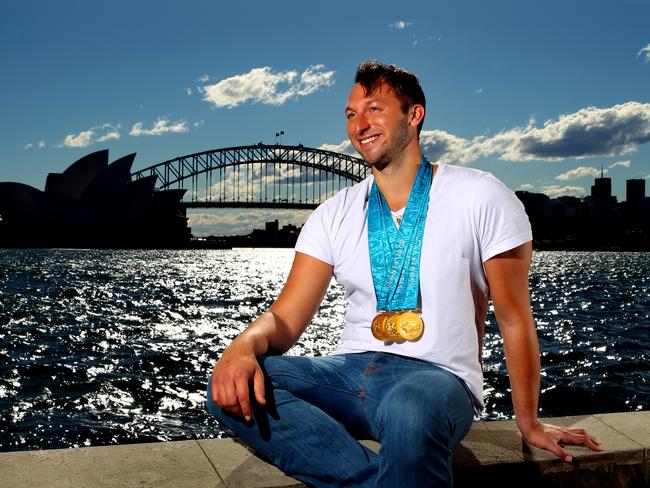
{"x":368,"y":140}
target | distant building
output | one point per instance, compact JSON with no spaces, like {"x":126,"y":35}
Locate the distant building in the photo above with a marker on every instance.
{"x":594,"y":222}
{"x":634,"y":191}
{"x":92,"y":204}
{"x":273,"y":227}
{"x":602,"y":188}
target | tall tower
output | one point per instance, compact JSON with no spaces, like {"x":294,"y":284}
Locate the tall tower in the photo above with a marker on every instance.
{"x":634,"y":190}
{"x":602,"y":187}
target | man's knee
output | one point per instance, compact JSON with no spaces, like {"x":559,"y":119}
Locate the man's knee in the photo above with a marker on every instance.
{"x":433,"y":405}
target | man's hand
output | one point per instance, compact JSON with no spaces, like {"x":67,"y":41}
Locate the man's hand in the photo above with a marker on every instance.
{"x":550,"y":437}
{"x":231,"y":379}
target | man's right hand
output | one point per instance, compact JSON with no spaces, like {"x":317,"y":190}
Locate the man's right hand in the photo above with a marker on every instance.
{"x":231,"y":378}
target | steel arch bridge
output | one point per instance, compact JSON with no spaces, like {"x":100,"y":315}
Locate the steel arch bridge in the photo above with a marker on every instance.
{"x":261,"y":176}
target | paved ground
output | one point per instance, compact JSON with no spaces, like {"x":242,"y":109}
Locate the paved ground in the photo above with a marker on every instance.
{"x":492,"y":453}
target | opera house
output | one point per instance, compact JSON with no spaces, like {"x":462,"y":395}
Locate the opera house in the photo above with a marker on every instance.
{"x":93,"y":204}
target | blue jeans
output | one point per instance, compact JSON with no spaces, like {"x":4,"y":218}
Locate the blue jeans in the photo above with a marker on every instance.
{"x":317,"y":408}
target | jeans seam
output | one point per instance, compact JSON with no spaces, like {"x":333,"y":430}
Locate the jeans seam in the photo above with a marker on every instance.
{"x":300,"y":378}
{"x":363,"y":398}
{"x":371,"y":362}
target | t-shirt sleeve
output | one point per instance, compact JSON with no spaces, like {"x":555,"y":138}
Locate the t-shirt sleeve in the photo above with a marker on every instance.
{"x":314,"y":237}
{"x":500,"y":218}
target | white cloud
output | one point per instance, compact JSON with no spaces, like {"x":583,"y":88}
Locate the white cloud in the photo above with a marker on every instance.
{"x":109,"y":136}
{"x":188,"y":91}
{"x":526,"y":187}
{"x":203,"y":78}
{"x":39,"y":144}
{"x":161,"y":126}
{"x":84,"y":139}
{"x":312,"y":79}
{"x":622,"y":164}
{"x":480,"y":90}
{"x":448,"y":148}
{"x":590,"y":131}
{"x":400,"y":24}
{"x":443,"y":146}
{"x":100,"y":133}
{"x":555,"y":191}
{"x":263,"y":85}
{"x":344,"y":147}
{"x":645,"y":53}
{"x":198,"y":124}
{"x":579,"y":172}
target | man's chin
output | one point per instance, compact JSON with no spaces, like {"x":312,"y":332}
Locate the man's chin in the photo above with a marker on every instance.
{"x":378,"y":163}
{"x":371,"y":157}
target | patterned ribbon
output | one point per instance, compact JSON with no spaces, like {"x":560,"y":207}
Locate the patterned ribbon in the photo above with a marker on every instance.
{"x":395,"y":253}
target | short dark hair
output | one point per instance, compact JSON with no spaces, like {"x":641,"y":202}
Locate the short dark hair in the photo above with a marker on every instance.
{"x":405,"y":85}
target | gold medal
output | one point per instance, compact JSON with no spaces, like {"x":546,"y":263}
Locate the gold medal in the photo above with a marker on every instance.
{"x":377,"y":327}
{"x":397,"y":326}
{"x":391,"y":327}
{"x":410,"y":325}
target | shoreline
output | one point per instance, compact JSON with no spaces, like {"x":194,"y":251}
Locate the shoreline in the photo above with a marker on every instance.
{"x":207,"y":246}
{"x":492,"y":452}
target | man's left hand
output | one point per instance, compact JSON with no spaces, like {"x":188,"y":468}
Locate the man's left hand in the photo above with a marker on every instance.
{"x":551,"y":438}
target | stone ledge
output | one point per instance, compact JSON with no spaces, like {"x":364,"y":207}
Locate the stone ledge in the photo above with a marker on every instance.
{"x":492,"y":454}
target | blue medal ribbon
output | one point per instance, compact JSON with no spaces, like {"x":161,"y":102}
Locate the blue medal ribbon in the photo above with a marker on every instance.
{"x":395,"y":253}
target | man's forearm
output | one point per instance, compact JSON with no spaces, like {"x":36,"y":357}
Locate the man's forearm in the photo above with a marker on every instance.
{"x":266,"y":335}
{"x":523,"y":361}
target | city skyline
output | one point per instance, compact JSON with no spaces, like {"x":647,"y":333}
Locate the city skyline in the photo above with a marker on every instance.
{"x":542,"y":96}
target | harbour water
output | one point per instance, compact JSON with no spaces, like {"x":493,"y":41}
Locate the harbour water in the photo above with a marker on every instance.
{"x":108,"y":347}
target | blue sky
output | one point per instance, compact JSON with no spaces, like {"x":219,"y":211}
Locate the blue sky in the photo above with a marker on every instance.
{"x":542,"y":94}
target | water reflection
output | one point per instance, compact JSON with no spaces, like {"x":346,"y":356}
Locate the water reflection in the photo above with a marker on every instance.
{"x":101,"y":347}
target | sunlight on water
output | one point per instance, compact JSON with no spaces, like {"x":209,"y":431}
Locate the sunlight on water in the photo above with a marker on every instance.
{"x":103,"y":347}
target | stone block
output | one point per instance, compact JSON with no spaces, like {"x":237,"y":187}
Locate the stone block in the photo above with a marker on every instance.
{"x":635,"y":426}
{"x":240,"y":468}
{"x":162,"y":465}
{"x":619,"y":464}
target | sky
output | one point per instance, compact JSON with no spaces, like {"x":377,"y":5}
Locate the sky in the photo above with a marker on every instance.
{"x":544,"y":95}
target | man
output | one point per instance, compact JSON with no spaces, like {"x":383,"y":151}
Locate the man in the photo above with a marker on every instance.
{"x":408,"y":370}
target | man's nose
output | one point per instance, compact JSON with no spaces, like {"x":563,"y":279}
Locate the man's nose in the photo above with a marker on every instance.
{"x":360,"y":123}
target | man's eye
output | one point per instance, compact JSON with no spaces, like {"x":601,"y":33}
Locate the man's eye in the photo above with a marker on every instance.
{"x":349,"y":115}
{"x":374,"y":109}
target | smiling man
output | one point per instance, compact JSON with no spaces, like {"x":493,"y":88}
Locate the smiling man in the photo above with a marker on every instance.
{"x":419,"y":248}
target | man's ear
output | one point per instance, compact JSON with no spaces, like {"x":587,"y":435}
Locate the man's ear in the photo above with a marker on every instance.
{"x":416,"y":114}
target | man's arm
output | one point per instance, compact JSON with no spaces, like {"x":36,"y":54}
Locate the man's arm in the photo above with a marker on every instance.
{"x":274,"y":332}
{"x":507,"y":275}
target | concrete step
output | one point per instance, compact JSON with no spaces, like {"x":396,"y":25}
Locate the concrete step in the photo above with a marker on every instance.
{"x":492,"y":454}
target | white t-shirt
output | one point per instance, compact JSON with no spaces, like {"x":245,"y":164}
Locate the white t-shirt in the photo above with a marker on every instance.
{"x":472,"y":217}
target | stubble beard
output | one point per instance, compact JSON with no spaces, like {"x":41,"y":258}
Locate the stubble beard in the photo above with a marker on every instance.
{"x":391,"y":155}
